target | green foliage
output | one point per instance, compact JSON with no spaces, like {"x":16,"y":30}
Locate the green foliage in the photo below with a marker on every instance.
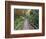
{"x":33,"y":17}
{"x":18,"y":22}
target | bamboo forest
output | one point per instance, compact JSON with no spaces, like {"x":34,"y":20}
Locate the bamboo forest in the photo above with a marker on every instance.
{"x":26,"y":19}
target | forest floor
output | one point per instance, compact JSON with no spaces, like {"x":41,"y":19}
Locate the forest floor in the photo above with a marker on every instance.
{"x":26,"y":25}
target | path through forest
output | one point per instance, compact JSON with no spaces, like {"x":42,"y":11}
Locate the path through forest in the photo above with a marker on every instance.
{"x":27,"y":26}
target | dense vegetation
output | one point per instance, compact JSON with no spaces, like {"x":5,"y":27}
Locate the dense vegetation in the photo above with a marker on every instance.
{"x":33,"y":18}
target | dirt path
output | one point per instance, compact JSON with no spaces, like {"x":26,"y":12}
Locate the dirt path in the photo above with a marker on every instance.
{"x":27,"y":26}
